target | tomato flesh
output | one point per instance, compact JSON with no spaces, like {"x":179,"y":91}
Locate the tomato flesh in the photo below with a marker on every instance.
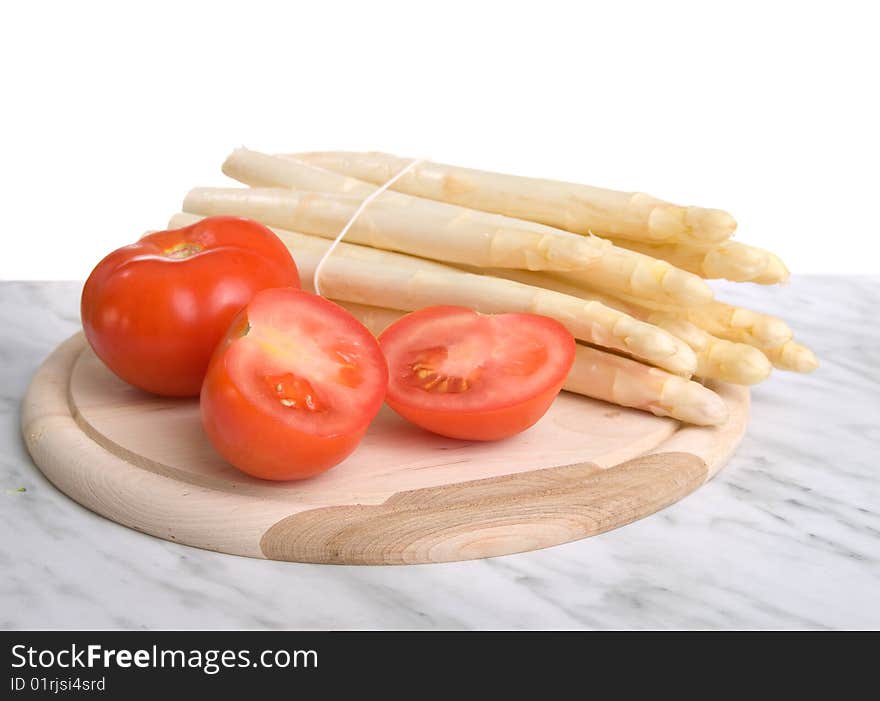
{"x":154,"y":311}
{"x":293,"y":387}
{"x":472,"y":376}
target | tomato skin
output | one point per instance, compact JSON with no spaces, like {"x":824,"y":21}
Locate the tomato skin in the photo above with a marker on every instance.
{"x":153,"y":311}
{"x":265,"y":440}
{"x":499,"y":402}
{"x":488,"y":425}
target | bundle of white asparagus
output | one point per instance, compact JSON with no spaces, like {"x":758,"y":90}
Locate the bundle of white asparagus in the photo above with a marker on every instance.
{"x":624,"y":272}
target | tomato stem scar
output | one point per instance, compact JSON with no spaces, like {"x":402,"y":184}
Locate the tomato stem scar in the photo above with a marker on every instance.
{"x":182,"y":250}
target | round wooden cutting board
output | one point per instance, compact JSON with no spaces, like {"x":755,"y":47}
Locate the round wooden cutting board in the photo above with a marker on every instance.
{"x":405,"y":496}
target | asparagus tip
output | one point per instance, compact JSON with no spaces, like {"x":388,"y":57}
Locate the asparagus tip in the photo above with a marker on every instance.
{"x":755,"y":367}
{"x":775,"y":272}
{"x":686,"y":289}
{"x":711,"y":224}
{"x":772,"y":332}
{"x":693,"y":403}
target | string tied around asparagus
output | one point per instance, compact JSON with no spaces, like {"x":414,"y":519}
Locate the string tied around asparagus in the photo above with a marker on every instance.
{"x":363,"y":205}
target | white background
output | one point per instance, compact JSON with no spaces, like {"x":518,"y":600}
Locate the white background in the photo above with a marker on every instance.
{"x":110,"y":112}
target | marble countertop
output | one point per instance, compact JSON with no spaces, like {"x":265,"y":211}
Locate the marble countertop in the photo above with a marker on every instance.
{"x":787,"y":536}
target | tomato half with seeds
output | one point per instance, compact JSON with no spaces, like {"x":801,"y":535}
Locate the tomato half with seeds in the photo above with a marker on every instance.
{"x":293,"y":386}
{"x":472,"y":376}
{"x":155,"y":310}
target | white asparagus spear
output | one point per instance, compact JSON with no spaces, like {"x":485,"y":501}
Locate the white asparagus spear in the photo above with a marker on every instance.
{"x":792,"y":356}
{"x":629,"y":383}
{"x":717,"y":358}
{"x":258,"y":169}
{"x":727,"y":261}
{"x":578,"y":208}
{"x":608,"y":377}
{"x":402,"y":225}
{"x":380,"y":278}
{"x":730,"y":260}
{"x":727,"y":321}
{"x":606,"y":266}
{"x":738,"y":324}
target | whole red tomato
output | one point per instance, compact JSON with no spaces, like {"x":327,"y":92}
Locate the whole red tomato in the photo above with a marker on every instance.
{"x":154,"y":311}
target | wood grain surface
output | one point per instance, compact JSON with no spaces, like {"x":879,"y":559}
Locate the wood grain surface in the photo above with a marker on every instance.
{"x":405,"y":496}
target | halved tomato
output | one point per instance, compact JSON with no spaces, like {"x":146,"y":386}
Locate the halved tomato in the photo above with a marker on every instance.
{"x":472,"y":376}
{"x":293,"y":386}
